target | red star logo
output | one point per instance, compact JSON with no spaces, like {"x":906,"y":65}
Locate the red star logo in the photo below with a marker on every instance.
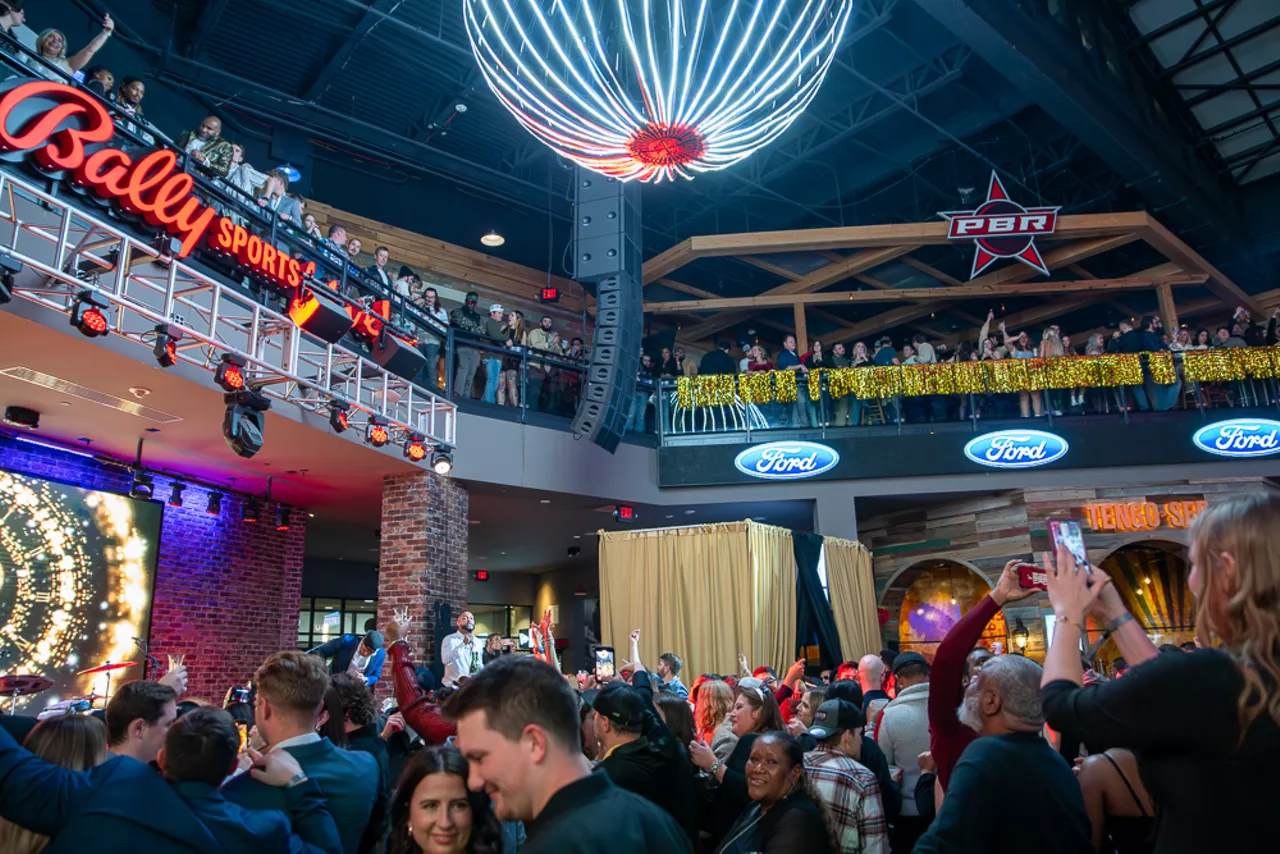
{"x":1002,"y":228}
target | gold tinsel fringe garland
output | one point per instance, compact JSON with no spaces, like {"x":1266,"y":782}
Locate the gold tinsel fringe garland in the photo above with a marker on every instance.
{"x":995,"y":377}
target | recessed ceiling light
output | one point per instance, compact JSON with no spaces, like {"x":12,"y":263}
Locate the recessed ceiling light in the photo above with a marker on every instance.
{"x":501,"y":553}
{"x":138,"y":391}
{"x":64,"y":403}
{"x":758,"y":518}
{"x":690,"y":512}
{"x":669,"y":516}
{"x":577,"y":536}
{"x":460,"y":107}
{"x":493,"y":239}
{"x":544,"y":500}
{"x":473,"y":521}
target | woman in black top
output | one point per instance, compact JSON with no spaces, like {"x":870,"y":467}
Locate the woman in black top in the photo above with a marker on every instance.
{"x":754,"y":711}
{"x":1205,"y":724}
{"x":1119,"y":807}
{"x":783,"y":818}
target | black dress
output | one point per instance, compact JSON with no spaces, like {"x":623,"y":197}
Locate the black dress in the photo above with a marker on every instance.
{"x":1129,"y":834}
{"x":1213,"y":792}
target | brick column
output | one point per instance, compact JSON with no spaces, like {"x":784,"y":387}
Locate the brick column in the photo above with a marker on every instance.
{"x":423,"y":557}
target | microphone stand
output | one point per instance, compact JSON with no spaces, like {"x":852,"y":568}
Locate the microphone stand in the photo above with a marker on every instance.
{"x":148,"y":660}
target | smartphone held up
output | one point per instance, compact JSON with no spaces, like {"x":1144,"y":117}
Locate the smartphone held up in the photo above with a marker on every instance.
{"x":1066,"y":533}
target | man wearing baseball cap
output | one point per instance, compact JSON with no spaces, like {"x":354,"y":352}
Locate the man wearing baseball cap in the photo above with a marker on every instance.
{"x":903,"y":734}
{"x":494,"y":327}
{"x":846,"y":790}
{"x":636,"y":763}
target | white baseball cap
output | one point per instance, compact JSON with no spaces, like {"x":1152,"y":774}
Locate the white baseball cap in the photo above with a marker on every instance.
{"x":495,"y":307}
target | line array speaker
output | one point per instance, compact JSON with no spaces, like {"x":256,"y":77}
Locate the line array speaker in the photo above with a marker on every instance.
{"x":607,"y":231}
{"x":610,"y":389}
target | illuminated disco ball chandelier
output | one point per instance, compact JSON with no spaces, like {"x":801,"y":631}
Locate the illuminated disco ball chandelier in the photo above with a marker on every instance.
{"x":652,"y":89}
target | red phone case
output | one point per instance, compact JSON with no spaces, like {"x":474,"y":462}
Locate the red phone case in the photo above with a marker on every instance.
{"x":1031,"y":576}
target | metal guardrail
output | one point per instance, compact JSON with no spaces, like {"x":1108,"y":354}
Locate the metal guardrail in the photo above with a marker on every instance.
{"x":66,"y":251}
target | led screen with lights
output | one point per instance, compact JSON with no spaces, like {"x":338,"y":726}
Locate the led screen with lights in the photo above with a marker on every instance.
{"x":76,"y":574}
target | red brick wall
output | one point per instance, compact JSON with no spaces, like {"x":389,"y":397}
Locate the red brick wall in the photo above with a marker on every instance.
{"x":423,"y":557}
{"x":226,"y":591}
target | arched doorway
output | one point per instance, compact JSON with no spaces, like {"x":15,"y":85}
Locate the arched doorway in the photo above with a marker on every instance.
{"x":938,"y":593}
{"x":1151,"y":578}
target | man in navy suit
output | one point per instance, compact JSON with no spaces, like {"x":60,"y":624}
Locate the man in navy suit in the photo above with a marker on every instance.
{"x":200,"y":751}
{"x":124,"y":807}
{"x":291,"y":687}
{"x":362,"y":655}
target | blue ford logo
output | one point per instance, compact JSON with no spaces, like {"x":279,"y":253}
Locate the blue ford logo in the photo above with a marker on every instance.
{"x":786,"y":460}
{"x":1016,"y":449}
{"x":1240,"y":437}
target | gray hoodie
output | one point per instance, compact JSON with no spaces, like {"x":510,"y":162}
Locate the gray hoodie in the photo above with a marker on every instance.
{"x":903,"y":735}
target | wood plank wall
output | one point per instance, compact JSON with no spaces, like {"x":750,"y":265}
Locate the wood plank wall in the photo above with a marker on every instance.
{"x":988,"y":531}
{"x":458,"y":270}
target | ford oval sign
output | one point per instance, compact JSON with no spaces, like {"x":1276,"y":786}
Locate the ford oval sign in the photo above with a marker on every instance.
{"x":1240,"y":437}
{"x":1016,"y":449}
{"x":786,"y":460}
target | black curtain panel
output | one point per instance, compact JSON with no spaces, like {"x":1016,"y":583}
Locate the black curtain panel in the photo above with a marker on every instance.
{"x":814,"y":619}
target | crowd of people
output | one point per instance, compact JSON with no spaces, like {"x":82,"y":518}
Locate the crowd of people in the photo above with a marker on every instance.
{"x":1129,"y":336}
{"x":972,"y":751}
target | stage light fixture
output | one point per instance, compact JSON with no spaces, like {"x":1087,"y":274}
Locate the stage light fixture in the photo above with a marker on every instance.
{"x":282,"y":518}
{"x":245,"y":421}
{"x":338,"y":417}
{"x":21,"y":416}
{"x":230,"y":372}
{"x":88,"y":314}
{"x":250,"y":511}
{"x":142,"y":485}
{"x":9,"y":267}
{"x":376,"y":433}
{"x":442,"y":461}
{"x":166,"y":347}
{"x":415,"y":448}
{"x":215,"y":504}
{"x":175,"y":497}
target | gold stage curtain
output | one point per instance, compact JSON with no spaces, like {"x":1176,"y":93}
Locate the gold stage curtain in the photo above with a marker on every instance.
{"x":773,"y":577}
{"x":853,"y":597}
{"x":701,"y":593}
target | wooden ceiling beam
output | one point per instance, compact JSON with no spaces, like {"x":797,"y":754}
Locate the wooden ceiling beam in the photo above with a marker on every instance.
{"x":932,"y":272}
{"x":901,"y":294}
{"x":817,"y":280}
{"x":1171,"y":246}
{"x":1055,"y":258}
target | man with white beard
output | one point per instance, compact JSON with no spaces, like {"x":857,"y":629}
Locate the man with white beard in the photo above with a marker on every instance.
{"x":1010,"y":791}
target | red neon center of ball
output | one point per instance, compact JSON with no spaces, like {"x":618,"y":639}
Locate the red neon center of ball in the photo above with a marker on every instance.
{"x":666,"y":145}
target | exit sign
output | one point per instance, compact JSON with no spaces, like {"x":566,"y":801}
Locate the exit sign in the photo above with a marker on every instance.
{"x":624,"y":513}
{"x":482,"y":575}
{"x":549,"y":295}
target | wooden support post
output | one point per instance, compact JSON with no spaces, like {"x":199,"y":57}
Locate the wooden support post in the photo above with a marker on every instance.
{"x":802,"y":332}
{"x":1168,"y":311}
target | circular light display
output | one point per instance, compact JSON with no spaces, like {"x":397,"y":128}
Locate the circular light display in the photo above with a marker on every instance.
{"x":642,"y":90}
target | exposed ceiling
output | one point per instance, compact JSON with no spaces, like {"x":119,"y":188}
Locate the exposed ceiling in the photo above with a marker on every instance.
{"x":1223,"y":59}
{"x":1078,"y":103}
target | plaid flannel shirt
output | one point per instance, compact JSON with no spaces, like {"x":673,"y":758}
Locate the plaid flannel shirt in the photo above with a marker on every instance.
{"x":850,"y":798}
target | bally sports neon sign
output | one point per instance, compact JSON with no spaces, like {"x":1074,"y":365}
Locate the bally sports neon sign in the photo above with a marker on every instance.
{"x":66,"y":132}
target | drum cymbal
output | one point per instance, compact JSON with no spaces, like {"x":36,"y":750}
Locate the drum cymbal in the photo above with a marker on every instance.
{"x":23,"y":685}
{"x":108,"y":667}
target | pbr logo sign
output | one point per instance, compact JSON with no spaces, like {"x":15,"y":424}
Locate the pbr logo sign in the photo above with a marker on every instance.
{"x":1002,"y":229}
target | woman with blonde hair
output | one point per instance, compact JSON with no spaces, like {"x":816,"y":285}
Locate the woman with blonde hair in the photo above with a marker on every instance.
{"x":1206,"y":724}
{"x":51,"y":45}
{"x":76,"y":742}
{"x":711,"y":718}
{"x":517,"y":337}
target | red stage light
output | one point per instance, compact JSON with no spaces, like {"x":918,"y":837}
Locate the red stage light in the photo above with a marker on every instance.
{"x":87,"y":314}
{"x":377,"y":433}
{"x":230,"y":373}
{"x":415,"y":449}
{"x":166,"y":346}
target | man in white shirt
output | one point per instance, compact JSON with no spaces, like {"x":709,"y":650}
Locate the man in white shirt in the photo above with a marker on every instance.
{"x":462,"y":652}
